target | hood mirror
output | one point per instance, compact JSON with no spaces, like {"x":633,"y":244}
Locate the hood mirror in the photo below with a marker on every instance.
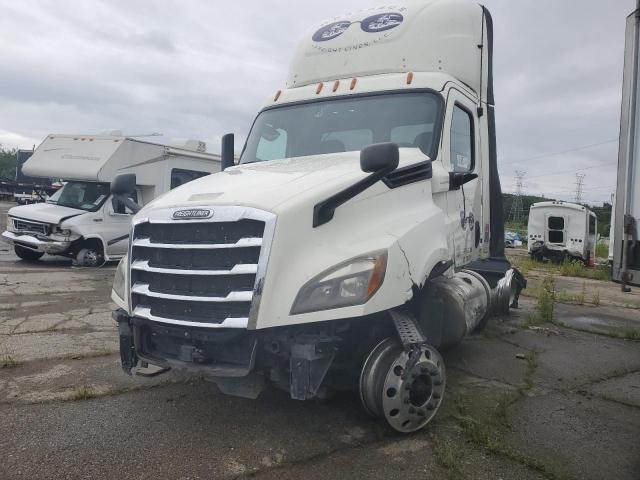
{"x":379,"y":157}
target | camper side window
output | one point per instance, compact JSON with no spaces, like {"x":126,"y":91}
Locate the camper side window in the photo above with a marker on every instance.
{"x":592,"y":225}
{"x":461,"y":141}
{"x":180,"y":176}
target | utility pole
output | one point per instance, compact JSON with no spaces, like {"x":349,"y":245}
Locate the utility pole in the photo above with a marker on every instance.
{"x":579,"y":186}
{"x":517,"y":210}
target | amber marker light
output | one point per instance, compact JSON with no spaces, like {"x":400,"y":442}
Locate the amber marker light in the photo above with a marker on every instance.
{"x":277,"y":96}
{"x":409,"y":78}
{"x":377,"y":276}
{"x":319,"y":89}
{"x":336,"y":84}
{"x":353,"y":83}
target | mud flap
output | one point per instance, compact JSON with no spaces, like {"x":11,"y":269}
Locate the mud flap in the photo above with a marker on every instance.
{"x":128,"y":356}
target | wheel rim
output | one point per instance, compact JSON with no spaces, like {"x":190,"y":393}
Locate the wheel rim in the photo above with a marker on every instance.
{"x":407,"y":400}
{"x":411,"y":399}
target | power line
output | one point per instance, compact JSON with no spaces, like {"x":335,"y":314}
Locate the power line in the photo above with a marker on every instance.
{"x":573,"y":170}
{"x":562,"y":152}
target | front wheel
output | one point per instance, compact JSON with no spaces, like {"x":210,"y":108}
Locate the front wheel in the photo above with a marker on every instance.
{"x":27,"y":254}
{"x":404,"y":387}
{"x":90,"y":257}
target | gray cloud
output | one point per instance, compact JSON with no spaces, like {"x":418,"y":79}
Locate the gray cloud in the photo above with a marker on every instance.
{"x":199,"y":69}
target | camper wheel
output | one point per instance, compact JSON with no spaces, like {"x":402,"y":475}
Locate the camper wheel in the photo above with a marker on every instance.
{"x":91,"y":255}
{"x":27,"y":254}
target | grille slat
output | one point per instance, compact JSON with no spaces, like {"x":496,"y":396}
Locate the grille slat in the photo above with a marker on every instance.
{"x":143,"y":289}
{"x":242,"y":243}
{"x":195,"y":273}
{"x":143,"y":265}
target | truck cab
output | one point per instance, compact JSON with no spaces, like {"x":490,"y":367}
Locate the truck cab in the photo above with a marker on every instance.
{"x":359,"y":233}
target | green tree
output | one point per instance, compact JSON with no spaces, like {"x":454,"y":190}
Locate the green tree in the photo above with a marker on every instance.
{"x":8,"y":162}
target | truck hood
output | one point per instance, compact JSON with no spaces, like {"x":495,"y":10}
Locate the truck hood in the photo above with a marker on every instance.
{"x":270,"y":185}
{"x":45,"y":212}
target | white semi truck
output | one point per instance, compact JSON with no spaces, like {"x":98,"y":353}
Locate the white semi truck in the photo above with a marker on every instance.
{"x":360,"y":232}
{"x":82,"y":220}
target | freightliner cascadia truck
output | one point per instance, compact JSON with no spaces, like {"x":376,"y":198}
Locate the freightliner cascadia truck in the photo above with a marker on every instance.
{"x":360,"y":232}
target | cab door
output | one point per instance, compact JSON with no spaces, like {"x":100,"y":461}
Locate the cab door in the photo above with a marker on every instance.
{"x":462,"y":158}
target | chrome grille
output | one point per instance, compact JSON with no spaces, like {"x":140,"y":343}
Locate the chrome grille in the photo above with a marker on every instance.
{"x":28,"y":226}
{"x":199,"y":272}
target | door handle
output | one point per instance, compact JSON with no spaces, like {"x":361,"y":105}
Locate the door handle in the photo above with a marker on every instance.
{"x":97,"y":219}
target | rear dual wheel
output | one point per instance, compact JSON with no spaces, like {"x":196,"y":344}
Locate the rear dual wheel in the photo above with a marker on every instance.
{"x":407,"y":394}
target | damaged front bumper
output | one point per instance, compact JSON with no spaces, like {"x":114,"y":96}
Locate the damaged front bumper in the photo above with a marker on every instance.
{"x":53,"y":247}
{"x":220,"y":353}
{"x":239,"y":361}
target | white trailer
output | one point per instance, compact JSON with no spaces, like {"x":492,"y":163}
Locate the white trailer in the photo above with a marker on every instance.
{"x":360,"y":232}
{"x":626,"y":248}
{"x":82,"y":220}
{"x":559,"y":230}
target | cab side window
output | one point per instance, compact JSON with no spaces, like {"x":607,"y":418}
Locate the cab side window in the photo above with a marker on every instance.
{"x":461,"y":141}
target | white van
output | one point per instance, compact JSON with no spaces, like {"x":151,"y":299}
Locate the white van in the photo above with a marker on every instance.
{"x":559,"y":230}
{"x":81,"y":220}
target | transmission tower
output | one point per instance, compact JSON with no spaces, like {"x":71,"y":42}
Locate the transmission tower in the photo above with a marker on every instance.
{"x":579,"y":186}
{"x":517,"y":210}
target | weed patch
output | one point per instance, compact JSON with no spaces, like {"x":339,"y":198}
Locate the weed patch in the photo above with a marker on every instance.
{"x":447,"y":456}
{"x":84,"y":392}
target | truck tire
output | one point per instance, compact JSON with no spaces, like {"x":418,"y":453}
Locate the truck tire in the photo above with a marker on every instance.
{"x":408,"y":402}
{"x":90,"y":257}
{"x":27,"y":254}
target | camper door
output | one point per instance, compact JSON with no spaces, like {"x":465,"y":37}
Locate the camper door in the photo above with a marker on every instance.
{"x":556,"y":227}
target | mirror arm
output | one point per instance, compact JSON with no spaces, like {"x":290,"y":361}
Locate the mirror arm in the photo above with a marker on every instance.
{"x":324,"y":210}
{"x":458,"y":179}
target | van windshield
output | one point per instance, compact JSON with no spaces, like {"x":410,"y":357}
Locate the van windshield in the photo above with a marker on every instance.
{"x":87,"y":196}
{"x":344,"y":125}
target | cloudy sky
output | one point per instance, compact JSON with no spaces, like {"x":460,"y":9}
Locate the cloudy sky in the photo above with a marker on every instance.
{"x":196,"y":69}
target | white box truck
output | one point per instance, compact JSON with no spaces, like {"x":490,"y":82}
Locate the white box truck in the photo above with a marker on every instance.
{"x":82,"y":220}
{"x":626,"y":248}
{"x":360,"y":232}
{"x":560,"y":230}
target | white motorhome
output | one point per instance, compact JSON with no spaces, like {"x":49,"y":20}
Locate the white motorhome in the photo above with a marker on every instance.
{"x":559,"y":230}
{"x":626,"y":227}
{"x":81,"y":220}
{"x":360,"y":232}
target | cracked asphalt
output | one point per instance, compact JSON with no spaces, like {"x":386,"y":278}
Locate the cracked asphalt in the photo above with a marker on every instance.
{"x":522,"y":402}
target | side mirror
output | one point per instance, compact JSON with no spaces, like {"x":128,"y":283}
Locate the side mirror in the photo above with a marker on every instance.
{"x":123,"y":184}
{"x":379,"y":157}
{"x":226,"y":152}
{"x":458,"y":179}
{"x":122,"y":187}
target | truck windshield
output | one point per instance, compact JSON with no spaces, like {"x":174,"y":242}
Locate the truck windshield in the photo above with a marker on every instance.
{"x":87,"y":196}
{"x":344,"y":125}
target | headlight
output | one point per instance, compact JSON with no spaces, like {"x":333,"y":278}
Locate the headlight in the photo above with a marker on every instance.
{"x":351,"y":283}
{"x":9,"y":224}
{"x":119,"y":292}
